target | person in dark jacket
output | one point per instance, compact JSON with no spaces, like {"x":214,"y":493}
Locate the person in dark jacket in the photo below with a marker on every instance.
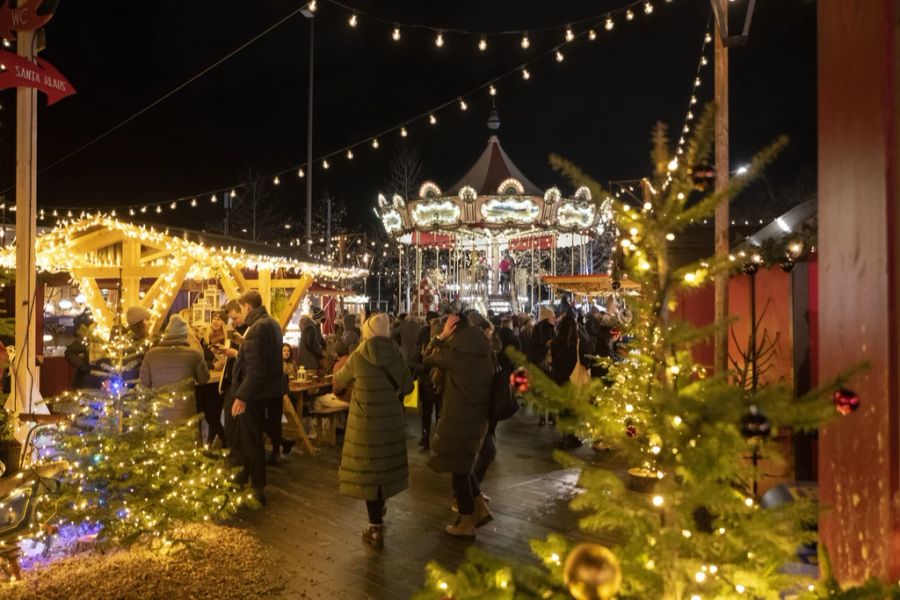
{"x":257,"y":383}
{"x":508,"y":339}
{"x":569,"y":348}
{"x":429,"y":396}
{"x":463,"y":353}
{"x":312,"y":350}
{"x":539,"y":348}
{"x":374,"y":463}
{"x":78,"y":354}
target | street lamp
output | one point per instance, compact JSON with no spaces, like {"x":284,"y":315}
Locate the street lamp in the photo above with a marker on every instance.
{"x":309,"y":12}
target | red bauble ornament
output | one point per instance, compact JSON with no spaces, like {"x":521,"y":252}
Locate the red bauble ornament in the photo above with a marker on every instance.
{"x":519,"y":380}
{"x":845,"y":401}
{"x":631,"y":431}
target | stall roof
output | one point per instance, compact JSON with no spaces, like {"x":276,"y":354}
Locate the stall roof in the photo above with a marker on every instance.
{"x":590,"y":285}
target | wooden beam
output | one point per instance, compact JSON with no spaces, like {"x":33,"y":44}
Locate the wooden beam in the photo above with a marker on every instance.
{"x":95,"y":240}
{"x":228,"y":284}
{"x":264,"y":285}
{"x":115,"y":272}
{"x":722,"y":242}
{"x":150,"y":296}
{"x":241,"y":281}
{"x":99,"y":306}
{"x":166,"y":297}
{"x":304,"y":284}
{"x":131,"y":285}
{"x":155,"y":254}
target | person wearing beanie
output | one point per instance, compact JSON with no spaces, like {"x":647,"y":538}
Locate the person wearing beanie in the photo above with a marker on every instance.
{"x":173,"y":362}
{"x":374,"y":464}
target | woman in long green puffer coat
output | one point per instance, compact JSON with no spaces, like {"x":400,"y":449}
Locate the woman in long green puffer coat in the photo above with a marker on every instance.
{"x":374,"y":464}
{"x":463,"y":353}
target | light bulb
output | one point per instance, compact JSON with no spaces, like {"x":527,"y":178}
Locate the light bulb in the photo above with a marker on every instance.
{"x":463,"y":105}
{"x":325,"y":164}
{"x":301,"y":173}
{"x":233,"y":194}
{"x":707,"y":38}
{"x":353,"y":21}
{"x":173,"y":206}
{"x":432,"y":119}
{"x":570,"y":35}
{"x":658,"y":500}
{"x":350,"y":154}
{"x":673,"y":164}
{"x":276,"y":181}
{"x":194,"y":202}
{"x":609,"y":24}
{"x":403,"y":132}
{"x":704,"y":61}
{"x":158,"y":209}
{"x":492,"y":90}
{"x":312,"y":6}
{"x":559,"y":56}
{"x":482,"y":44}
{"x":130,"y":212}
{"x":525,"y":41}
{"x":648,"y":8}
{"x":375,"y":143}
{"x":439,"y":40}
{"x":396,"y":34}
{"x":693,"y":100}
{"x":526,"y":75}
{"x":629,"y":15}
{"x":143,"y":210}
{"x":213,"y":199}
{"x":592,"y":35}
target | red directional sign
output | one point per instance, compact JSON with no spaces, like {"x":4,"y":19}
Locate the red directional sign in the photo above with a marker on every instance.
{"x":23,"y":17}
{"x":16,"y":71}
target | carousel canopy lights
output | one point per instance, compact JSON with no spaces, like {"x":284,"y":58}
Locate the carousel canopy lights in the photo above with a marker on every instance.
{"x":573,"y":216}
{"x":510,"y":210}
{"x":429,"y":189}
{"x":436,"y":213}
{"x":511,"y":187}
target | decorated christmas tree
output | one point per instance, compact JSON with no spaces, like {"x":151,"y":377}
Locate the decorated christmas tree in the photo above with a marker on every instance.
{"x":690,"y":526}
{"x":133,"y":476}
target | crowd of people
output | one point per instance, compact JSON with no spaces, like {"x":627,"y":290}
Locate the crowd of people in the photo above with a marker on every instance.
{"x":454,"y":361}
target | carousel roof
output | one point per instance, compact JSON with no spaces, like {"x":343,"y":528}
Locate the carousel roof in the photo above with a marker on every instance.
{"x":493,"y":197}
{"x":491,"y":169}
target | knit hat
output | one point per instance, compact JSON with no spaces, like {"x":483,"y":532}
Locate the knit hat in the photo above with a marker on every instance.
{"x":546,"y":313}
{"x":431,"y":315}
{"x":177,"y":329}
{"x":378,"y":325}
{"x":475,"y":318}
{"x":136,"y":314}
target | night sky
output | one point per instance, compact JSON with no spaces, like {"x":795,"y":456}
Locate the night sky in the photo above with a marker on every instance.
{"x":596,"y":108}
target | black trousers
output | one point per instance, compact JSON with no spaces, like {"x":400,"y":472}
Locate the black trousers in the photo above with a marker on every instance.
{"x":430,"y":402}
{"x":465,"y":488}
{"x":210,"y":402}
{"x":486,"y":455}
{"x":274,"y":412}
{"x":375,"y":508}
{"x":246,"y":447}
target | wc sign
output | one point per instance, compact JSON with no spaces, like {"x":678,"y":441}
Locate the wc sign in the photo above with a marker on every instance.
{"x":28,"y":15}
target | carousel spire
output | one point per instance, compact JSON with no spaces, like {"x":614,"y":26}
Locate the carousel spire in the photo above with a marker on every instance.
{"x":493,"y":122}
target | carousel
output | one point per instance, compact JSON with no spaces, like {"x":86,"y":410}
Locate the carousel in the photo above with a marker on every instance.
{"x":490,"y":240}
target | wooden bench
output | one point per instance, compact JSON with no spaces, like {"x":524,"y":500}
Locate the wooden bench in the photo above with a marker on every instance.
{"x":327,"y":416}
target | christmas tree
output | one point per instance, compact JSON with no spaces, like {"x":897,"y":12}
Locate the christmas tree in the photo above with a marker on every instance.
{"x":131,"y":475}
{"x":695,"y":528}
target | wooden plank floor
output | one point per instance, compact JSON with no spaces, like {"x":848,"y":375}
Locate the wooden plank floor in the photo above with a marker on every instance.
{"x":314,"y":533}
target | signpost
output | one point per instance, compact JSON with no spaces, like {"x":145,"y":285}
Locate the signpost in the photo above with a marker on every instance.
{"x":27,"y":74}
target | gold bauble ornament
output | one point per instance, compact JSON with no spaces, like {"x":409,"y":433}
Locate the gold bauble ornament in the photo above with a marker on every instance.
{"x":592,"y":572}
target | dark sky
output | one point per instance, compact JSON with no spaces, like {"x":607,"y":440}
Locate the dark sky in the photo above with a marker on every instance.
{"x":596,"y":108}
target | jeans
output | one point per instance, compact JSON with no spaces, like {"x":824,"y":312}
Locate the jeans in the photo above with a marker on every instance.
{"x":245,"y":436}
{"x":209,"y":402}
{"x":465,"y":488}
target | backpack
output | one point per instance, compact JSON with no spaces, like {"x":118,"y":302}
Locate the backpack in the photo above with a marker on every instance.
{"x":503,"y":400}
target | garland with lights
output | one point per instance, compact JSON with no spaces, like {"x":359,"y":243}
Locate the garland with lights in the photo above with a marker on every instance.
{"x":694,"y":529}
{"x":605,"y":22}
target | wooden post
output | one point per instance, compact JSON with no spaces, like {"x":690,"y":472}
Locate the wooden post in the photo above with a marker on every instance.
{"x":131,"y":285}
{"x":24,"y":370}
{"x":859,"y":282}
{"x":264,"y":283}
{"x":722,"y":241}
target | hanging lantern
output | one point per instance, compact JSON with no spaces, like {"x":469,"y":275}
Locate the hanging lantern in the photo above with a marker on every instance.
{"x":755,"y":425}
{"x":592,"y":571}
{"x":845,"y":401}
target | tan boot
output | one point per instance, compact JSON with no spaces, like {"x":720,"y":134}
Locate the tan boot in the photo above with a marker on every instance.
{"x":483,"y":514}
{"x":464,"y":527}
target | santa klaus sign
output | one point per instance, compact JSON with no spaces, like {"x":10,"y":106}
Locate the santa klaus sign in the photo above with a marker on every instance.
{"x":16,"y":71}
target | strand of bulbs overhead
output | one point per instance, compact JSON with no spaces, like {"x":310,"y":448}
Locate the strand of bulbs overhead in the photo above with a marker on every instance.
{"x":573,"y":32}
{"x":606,"y":20}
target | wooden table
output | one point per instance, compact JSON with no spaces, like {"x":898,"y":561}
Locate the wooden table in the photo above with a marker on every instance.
{"x":305,"y":389}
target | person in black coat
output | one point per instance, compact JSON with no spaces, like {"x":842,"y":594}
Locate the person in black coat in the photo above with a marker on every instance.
{"x":257,"y":383}
{"x":508,"y":338}
{"x":569,"y":348}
